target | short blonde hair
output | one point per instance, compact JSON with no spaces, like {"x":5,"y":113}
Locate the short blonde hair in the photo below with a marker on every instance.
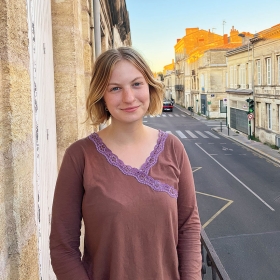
{"x":102,"y":70}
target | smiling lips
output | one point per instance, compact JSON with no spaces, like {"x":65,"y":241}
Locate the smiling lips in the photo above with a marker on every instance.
{"x":130,"y":109}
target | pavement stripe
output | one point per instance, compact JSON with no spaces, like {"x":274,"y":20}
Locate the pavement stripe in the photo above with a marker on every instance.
{"x":170,"y":116}
{"x":176,"y":115}
{"x":181,"y":134}
{"x":183,"y":115}
{"x":211,"y":134}
{"x":163,"y":115}
{"x":191,"y":134}
{"x":201,"y":134}
{"x":169,"y":132}
{"x":258,"y":197}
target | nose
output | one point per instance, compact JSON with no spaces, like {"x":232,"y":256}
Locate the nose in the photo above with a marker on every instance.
{"x":128,"y":95}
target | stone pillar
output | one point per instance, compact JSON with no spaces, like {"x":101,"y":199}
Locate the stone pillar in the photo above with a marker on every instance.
{"x":18,"y":232}
{"x":72,"y":69}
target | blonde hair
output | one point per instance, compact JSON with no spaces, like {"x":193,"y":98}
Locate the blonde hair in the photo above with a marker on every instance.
{"x":102,"y":70}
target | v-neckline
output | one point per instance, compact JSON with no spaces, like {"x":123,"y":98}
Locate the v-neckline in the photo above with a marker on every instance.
{"x":150,"y":161}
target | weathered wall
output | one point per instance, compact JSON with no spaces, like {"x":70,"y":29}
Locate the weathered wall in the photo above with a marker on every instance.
{"x":72,"y":68}
{"x":18,"y":234}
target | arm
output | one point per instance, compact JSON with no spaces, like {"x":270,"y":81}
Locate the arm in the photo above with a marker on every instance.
{"x":189,"y":246}
{"x":66,"y":220}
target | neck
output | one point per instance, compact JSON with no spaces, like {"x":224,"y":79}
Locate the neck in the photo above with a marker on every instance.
{"x":126,"y":133}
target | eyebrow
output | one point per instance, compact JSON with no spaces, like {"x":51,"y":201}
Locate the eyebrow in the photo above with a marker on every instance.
{"x":131,"y":81}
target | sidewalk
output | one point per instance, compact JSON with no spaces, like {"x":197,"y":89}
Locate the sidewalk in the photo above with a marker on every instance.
{"x":258,"y":147}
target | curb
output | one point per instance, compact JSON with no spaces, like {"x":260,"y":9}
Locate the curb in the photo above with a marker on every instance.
{"x":252,"y":148}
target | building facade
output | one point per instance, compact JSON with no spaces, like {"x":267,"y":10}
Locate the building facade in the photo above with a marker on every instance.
{"x":239,"y":87}
{"x":169,"y":81}
{"x":211,"y":93}
{"x":46,"y":54}
{"x":253,"y":72}
{"x":196,"y":69}
{"x":266,"y":59}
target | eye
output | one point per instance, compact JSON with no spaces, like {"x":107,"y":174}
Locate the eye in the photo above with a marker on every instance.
{"x":114,"y":89}
{"x":137,"y":84}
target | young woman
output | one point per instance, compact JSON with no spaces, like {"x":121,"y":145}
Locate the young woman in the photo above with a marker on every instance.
{"x":131,"y":184}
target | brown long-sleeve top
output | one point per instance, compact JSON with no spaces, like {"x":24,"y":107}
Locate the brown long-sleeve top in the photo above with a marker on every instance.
{"x":140,"y":224}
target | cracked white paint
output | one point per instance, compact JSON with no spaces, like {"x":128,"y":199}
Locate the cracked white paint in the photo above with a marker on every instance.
{"x":44,"y":124}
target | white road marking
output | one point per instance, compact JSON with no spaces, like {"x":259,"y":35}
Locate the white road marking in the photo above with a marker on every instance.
{"x":237,"y":179}
{"x":183,"y":115}
{"x":201,"y":134}
{"x":211,"y":134}
{"x":191,"y":134}
{"x":216,"y":125}
{"x":181,"y":134}
{"x":176,"y":115}
{"x":163,"y":115}
{"x":169,"y":132}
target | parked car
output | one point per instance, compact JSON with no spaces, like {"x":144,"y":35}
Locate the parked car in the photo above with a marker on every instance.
{"x":167,"y":106}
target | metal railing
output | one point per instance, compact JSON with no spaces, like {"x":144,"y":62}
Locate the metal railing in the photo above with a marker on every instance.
{"x":211,"y":259}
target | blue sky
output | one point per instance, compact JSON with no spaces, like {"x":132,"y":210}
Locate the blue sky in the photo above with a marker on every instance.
{"x":156,"y":24}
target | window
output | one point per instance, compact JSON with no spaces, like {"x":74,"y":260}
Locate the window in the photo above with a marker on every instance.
{"x":259,"y":77}
{"x":249,"y":75}
{"x":223,"y":107}
{"x":278,"y":62}
{"x":268,"y":113}
{"x":259,"y":114}
{"x":231,"y":77}
{"x":235,"y":76}
{"x":242,"y":75}
{"x":268,"y":71}
{"x":226,"y":79}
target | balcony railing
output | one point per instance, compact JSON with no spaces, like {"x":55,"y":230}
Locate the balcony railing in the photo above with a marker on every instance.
{"x":179,"y":87}
{"x":211,"y":259}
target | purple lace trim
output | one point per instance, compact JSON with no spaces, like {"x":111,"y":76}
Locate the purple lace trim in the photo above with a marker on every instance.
{"x":141,"y":174}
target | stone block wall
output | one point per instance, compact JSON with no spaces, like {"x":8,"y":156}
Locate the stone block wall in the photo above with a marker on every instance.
{"x":18,"y":232}
{"x":72,"y":68}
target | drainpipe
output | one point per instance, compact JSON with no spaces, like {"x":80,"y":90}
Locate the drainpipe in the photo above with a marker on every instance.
{"x":253,"y":88}
{"x":97,"y":29}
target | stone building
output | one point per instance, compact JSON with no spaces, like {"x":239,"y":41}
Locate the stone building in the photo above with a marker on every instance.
{"x":211,"y":72}
{"x":254,"y":73}
{"x":46,"y":53}
{"x":190,"y":44}
{"x":169,"y":81}
{"x":266,"y":84}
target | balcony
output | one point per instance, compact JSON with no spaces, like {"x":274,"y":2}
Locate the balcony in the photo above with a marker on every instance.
{"x":211,"y":259}
{"x":179,"y":87}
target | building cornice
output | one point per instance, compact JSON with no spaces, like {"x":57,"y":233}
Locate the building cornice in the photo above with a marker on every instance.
{"x":239,"y":91}
{"x":240,"y":49}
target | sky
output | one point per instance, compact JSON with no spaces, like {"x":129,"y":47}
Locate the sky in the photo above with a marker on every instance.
{"x":155,"y":25}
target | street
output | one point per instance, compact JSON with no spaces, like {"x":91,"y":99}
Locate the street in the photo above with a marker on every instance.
{"x":238,"y":195}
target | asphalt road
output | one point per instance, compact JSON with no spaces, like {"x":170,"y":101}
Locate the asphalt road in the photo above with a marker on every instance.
{"x":238,"y":194}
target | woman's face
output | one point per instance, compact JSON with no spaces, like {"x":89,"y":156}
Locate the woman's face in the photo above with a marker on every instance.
{"x":127,"y":96}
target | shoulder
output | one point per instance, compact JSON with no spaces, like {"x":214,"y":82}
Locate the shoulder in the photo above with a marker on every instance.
{"x":79,"y":149}
{"x":173,"y":142}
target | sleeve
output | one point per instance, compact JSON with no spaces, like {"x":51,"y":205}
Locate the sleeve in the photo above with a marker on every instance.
{"x":66,"y":220}
{"x":189,"y":227}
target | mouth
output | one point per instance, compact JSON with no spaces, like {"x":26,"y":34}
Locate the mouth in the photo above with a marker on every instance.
{"x":130,"y":109}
